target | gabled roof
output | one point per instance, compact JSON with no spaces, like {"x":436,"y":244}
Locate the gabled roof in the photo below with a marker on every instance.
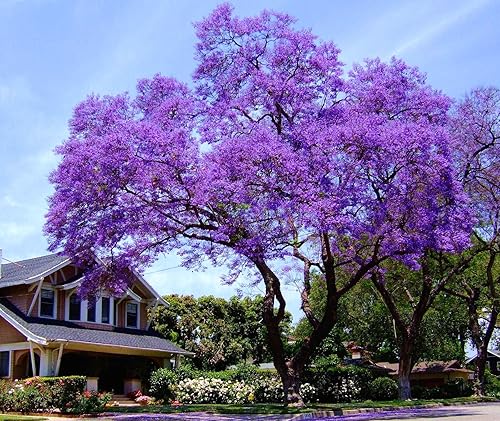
{"x":428,"y":367}
{"x":30,"y":270}
{"x":43,"y":331}
{"x":490,"y":351}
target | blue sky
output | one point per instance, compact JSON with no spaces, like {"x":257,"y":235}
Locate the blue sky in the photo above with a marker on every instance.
{"x":54,"y":53}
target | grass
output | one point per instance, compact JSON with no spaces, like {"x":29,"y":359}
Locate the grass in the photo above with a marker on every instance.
{"x":262,"y":408}
{"x":20,"y":418}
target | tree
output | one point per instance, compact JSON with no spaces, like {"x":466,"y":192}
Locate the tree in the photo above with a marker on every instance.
{"x":301,"y":168}
{"x":220,"y":332}
{"x":364,"y":319}
{"x":476,"y":129}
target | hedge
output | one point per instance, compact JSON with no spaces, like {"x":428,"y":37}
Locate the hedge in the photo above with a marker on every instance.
{"x":47,"y":394}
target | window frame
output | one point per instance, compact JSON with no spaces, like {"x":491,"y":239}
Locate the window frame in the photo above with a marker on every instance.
{"x":9,"y":369}
{"x":110,"y":312}
{"x":54,"y":308}
{"x":137,"y":320}
{"x":70,"y":296}
{"x":84,"y":310}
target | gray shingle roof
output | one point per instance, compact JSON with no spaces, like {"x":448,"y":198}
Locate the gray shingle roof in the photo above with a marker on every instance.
{"x":61,"y":330}
{"x":24,"y":270}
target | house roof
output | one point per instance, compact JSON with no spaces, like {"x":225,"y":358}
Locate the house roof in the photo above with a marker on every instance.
{"x":47,"y":330}
{"x":428,"y":367}
{"x":367,"y":363}
{"x":30,"y":270}
{"x":490,"y":351}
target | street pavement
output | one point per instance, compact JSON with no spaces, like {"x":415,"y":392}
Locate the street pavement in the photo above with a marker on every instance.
{"x":476,"y":412}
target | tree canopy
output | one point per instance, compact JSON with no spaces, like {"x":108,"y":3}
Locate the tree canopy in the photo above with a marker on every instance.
{"x":220,"y":332}
{"x":275,"y":161}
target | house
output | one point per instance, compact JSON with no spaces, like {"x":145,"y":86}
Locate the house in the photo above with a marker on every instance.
{"x":47,"y":330}
{"x":492,"y":361}
{"x":432,"y":373}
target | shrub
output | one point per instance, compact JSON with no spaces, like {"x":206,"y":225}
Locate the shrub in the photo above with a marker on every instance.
{"x":245,"y":372}
{"x":383,"y":389}
{"x":210,"y":390}
{"x":456,"y":389}
{"x":268,"y":389}
{"x":40,"y":394}
{"x":89,"y":402}
{"x":492,"y":384}
{"x":163,"y":382}
{"x":340,"y":384}
{"x":308,"y":392}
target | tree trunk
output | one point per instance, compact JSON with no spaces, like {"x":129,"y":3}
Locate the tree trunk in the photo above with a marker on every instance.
{"x":291,"y":387}
{"x":479,"y":369}
{"x":405,"y":367}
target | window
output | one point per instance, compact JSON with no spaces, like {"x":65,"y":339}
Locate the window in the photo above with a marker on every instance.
{"x":132,"y":314}
{"x":105,"y":309}
{"x":75,"y":306}
{"x":47,"y":303}
{"x":4,"y":364}
{"x":91,"y":307}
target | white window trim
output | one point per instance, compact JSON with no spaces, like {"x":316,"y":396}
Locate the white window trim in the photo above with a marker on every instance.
{"x":84,"y":310}
{"x":98,"y":313}
{"x":66,"y":308}
{"x":137,"y":326}
{"x":54,"y":311}
{"x":10,"y":364}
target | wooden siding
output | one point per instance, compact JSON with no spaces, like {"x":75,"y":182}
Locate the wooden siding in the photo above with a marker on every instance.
{"x":19,"y":295}
{"x":9,"y":334}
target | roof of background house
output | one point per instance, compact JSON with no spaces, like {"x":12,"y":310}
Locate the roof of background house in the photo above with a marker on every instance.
{"x":29,"y":270}
{"x":428,"y":366}
{"x":493,"y":352}
{"x":58,"y":330}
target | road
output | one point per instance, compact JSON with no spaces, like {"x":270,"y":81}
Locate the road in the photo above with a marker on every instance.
{"x":476,"y":412}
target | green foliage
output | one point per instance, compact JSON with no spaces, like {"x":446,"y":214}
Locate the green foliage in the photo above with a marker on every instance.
{"x":220,"y":332}
{"x":492,"y":384}
{"x":364,"y":319}
{"x":89,"y":403}
{"x":383,"y":389}
{"x":41,"y":394}
{"x":453,"y":389}
{"x":162,"y":383}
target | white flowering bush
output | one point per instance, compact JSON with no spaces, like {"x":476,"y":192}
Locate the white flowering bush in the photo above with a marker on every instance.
{"x":340,"y":384}
{"x":268,"y":389}
{"x":210,"y":390}
{"x":308,"y":392}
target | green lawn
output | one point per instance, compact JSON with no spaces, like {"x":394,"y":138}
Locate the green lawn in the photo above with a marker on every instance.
{"x":280,"y":409}
{"x":20,"y":418}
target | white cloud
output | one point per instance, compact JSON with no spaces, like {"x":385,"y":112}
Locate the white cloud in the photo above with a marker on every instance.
{"x":435,"y":28}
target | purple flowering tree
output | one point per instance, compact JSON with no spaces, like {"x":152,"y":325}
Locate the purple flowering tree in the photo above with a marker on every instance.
{"x":276,"y":164}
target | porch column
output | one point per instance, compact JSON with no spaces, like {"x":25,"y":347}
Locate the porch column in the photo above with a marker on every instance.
{"x":59,"y":358}
{"x":177,"y":361}
{"x":32,"y":358}
{"x":45,"y":362}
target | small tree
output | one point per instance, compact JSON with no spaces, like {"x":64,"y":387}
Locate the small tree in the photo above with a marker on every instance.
{"x":301,"y":169}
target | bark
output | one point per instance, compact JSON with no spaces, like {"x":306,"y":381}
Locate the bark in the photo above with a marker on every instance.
{"x":291,"y":370}
{"x":479,"y":369}
{"x":405,"y":367}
